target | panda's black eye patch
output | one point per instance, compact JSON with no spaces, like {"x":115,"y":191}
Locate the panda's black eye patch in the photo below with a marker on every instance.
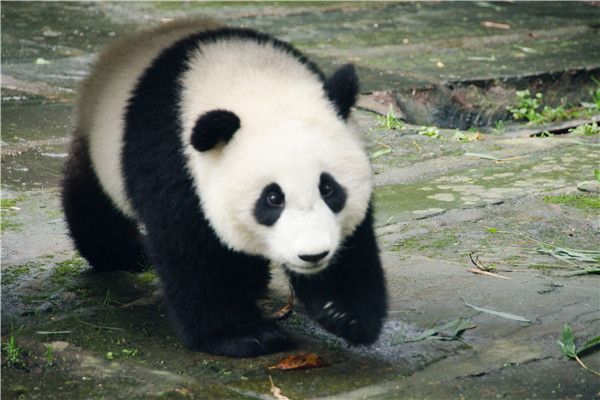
{"x":332,"y":193}
{"x":269,"y":205}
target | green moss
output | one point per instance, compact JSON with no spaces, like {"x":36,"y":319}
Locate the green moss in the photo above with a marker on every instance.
{"x":65,"y":271}
{"x":7,"y":210}
{"x":8,"y":225}
{"x":427,"y":242}
{"x":7,"y":203}
{"x":11,"y":274}
{"x":576,"y":200}
{"x":30,"y":299}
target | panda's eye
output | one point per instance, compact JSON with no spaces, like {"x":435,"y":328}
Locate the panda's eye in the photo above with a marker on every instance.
{"x":332,"y":193}
{"x":275,"y":199}
{"x":326,"y":189}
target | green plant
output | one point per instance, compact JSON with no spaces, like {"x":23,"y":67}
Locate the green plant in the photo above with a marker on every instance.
{"x":530,"y":108}
{"x":129,"y":352}
{"x":595,"y":94}
{"x":527,"y":106}
{"x":586,"y":129}
{"x":49,"y":356}
{"x":430,"y":131}
{"x":568,"y":348}
{"x":390,"y":121}
{"x":13,"y":353}
{"x":499,"y":127}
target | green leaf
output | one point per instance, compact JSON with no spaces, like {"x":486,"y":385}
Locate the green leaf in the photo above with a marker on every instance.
{"x":484,"y":156}
{"x":430,"y":131}
{"x":492,"y":230}
{"x":597,"y":174}
{"x":450,"y":330}
{"x":463,"y":325}
{"x":500,"y":313}
{"x":570,"y":255}
{"x":590,"y":344}
{"x":381,"y":152}
{"x":567,"y":343}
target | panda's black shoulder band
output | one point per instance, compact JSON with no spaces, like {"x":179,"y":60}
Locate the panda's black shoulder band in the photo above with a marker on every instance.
{"x":213,"y":127}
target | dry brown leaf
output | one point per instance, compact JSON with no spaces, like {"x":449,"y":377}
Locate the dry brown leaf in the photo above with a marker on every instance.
{"x":276,"y":391}
{"x":286,"y":310}
{"x":300,"y":361}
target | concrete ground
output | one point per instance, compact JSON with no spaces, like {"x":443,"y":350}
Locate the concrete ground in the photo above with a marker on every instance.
{"x":497,"y":194}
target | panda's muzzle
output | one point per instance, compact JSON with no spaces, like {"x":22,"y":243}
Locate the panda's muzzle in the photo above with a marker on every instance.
{"x":313,"y":258}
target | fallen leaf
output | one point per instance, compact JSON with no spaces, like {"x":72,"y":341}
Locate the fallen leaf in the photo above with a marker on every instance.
{"x":484,"y":156}
{"x":286,"y":310}
{"x":380,"y":152}
{"x":499,"y":313}
{"x":277,"y":391}
{"x":451,"y":330}
{"x":300,"y":361}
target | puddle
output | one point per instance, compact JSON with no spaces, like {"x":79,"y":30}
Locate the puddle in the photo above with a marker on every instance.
{"x":39,"y":168}
{"x":33,"y":118}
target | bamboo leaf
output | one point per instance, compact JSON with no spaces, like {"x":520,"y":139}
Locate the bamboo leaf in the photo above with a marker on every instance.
{"x":500,"y":313}
{"x":590,"y":344}
{"x":567,"y":342}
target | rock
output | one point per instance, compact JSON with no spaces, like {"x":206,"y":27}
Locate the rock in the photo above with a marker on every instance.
{"x":430,"y":212}
{"x":45,"y":308}
{"x":589,"y":186}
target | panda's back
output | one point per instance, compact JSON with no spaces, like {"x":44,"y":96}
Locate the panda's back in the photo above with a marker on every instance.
{"x":104,"y":94}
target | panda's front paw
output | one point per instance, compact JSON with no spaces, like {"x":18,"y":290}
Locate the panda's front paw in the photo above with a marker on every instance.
{"x":262,"y":340}
{"x":353,"y":324}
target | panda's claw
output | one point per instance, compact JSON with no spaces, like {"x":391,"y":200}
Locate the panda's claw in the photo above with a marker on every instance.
{"x":263,"y":340}
{"x":353,"y":325}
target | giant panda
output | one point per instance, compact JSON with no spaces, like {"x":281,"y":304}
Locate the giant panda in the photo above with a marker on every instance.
{"x":210,"y":152}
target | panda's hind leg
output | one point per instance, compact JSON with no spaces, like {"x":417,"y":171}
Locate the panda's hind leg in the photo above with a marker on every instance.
{"x":102,"y":234}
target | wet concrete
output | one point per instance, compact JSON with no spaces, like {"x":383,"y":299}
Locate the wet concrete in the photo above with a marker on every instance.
{"x":502,"y":197}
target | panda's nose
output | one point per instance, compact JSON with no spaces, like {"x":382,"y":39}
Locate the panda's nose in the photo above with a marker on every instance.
{"x":313,"y":257}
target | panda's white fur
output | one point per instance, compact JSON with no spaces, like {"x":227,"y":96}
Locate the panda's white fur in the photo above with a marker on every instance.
{"x":290,"y":133}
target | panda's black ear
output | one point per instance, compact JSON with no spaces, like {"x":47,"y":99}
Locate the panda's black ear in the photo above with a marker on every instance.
{"x":342,"y":89}
{"x":213,"y":127}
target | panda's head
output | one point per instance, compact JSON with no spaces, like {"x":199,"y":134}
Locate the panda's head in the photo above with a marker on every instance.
{"x":284,"y":177}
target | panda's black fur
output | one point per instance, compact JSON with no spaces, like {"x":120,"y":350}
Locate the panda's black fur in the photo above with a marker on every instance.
{"x":210,"y":290}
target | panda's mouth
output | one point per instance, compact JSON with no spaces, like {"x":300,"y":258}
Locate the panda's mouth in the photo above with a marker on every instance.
{"x":307,"y":268}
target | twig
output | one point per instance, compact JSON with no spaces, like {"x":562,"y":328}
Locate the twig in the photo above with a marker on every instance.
{"x":482,"y":269}
{"x":112,"y":328}
{"x":585,"y":366}
{"x":277,"y":391}
{"x":52,"y":332}
{"x":486,"y":273}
